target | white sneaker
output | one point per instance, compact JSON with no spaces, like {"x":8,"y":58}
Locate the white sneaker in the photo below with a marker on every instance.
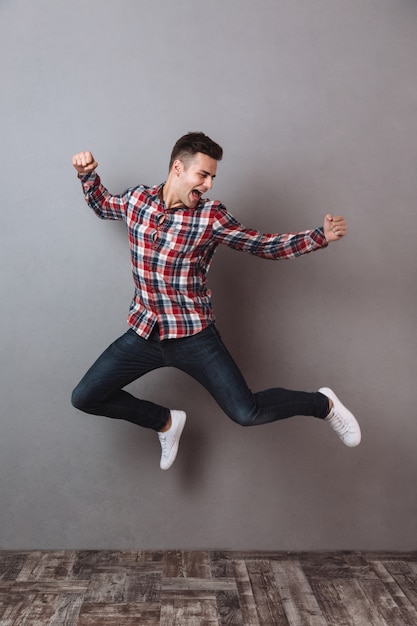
{"x":342,"y":421}
{"x":170,"y":440}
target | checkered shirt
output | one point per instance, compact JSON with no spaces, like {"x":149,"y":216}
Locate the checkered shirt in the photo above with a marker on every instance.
{"x":171,"y":251}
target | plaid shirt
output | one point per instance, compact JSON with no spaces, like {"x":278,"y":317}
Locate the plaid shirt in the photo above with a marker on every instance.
{"x":171,"y":251}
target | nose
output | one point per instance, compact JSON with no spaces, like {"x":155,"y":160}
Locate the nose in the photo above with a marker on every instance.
{"x":208,"y":183}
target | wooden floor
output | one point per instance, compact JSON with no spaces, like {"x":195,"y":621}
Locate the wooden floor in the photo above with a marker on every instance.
{"x":103,"y":588}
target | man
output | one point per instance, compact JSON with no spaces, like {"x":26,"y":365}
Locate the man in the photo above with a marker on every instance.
{"x":173,"y":232}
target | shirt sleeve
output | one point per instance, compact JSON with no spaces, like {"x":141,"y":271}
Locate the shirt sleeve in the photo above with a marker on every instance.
{"x":103,"y":203}
{"x":228,"y":231}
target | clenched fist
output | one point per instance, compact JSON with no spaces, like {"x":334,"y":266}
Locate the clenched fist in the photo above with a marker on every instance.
{"x":334,"y":227}
{"x":84,"y":162}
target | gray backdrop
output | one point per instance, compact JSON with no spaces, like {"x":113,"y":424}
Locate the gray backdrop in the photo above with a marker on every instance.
{"x":315,"y":104}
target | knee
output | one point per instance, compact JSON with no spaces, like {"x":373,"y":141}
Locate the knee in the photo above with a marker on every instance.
{"x":80,"y":400}
{"x":242,"y":417}
{"x":244,"y":421}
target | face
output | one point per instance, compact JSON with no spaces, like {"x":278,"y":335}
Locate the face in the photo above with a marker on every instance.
{"x":194,"y":178}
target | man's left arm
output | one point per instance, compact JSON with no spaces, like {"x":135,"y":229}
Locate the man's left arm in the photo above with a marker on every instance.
{"x":228,"y":231}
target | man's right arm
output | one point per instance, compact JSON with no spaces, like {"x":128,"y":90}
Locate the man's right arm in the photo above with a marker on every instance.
{"x":96,"y":195}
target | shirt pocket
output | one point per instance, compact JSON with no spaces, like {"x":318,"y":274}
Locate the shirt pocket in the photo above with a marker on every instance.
{"x":186,"y":239}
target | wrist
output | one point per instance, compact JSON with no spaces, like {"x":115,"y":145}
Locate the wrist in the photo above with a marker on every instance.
{"x":83,"y":174}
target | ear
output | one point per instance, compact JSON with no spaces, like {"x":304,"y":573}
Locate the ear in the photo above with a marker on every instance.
{"x":177,"y":167}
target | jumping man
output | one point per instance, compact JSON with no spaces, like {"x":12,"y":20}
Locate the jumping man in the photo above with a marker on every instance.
{"x":173,"y":232}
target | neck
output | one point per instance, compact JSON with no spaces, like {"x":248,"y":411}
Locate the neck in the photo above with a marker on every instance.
{"x":169,"y":195}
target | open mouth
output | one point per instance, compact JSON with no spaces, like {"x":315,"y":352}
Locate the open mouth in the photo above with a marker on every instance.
{"x":196,"y":194}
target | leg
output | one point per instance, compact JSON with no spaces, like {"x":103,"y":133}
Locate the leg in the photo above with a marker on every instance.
{"x":205,"y":357}
{"x":125,"y":360}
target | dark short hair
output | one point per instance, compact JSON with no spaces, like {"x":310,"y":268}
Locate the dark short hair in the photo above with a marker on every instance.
{"x":191,"y":143}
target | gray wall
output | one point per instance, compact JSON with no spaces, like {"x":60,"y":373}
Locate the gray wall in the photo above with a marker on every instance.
{"x":315,"y":104}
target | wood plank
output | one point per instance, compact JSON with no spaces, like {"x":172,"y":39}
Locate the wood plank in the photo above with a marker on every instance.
{"x":106,"y":587}
{"x":11,"y":564}
{"x":204,"y":584}
{"x":47,"y":565}
{"x":329,"y":601}
{"x":268,"y":602}
{"x":142,"y":586}
{"x":385,"y":606}
{"x":153,"y":556}
{"x":197,"y":564}
{"x":67,"y":610}
{"x":30,"y":565}
{"x":222,"y":564}
{"x":40,"y":611}
{"x":245,"y":594}
{"x":187,"y":563}
{"x":405,"y":574}
{"x":189,"y":613}
{"x":173,"y":564}
{"x":119,"y":614}
{"x":406,"y":607}
{"x":297,"y":597}
{"x":228,"y":608}
{"x":48,"y":586}
{"x":13,"y":607}
{"x":168,"y":595}
{"x":338,"y":566}
{"x":84,"y":564}
{"x":361,"y":611}
{"x":88,"y":561}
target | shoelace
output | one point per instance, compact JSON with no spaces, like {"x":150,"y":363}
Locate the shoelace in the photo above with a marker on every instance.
{"x":338,"y":423}
{"x":163,"y":441}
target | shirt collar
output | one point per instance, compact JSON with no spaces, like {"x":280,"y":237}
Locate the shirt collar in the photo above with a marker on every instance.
{"x":156,"y":193}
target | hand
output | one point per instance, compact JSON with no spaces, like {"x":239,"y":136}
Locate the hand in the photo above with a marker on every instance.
{"x":84,"y":162}
{"x":334,"y":227}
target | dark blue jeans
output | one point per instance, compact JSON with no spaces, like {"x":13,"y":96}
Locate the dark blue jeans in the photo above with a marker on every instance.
{"x":204,"y":357}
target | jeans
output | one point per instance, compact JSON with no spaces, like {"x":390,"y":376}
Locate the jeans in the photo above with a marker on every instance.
{"x":204,"y":357}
